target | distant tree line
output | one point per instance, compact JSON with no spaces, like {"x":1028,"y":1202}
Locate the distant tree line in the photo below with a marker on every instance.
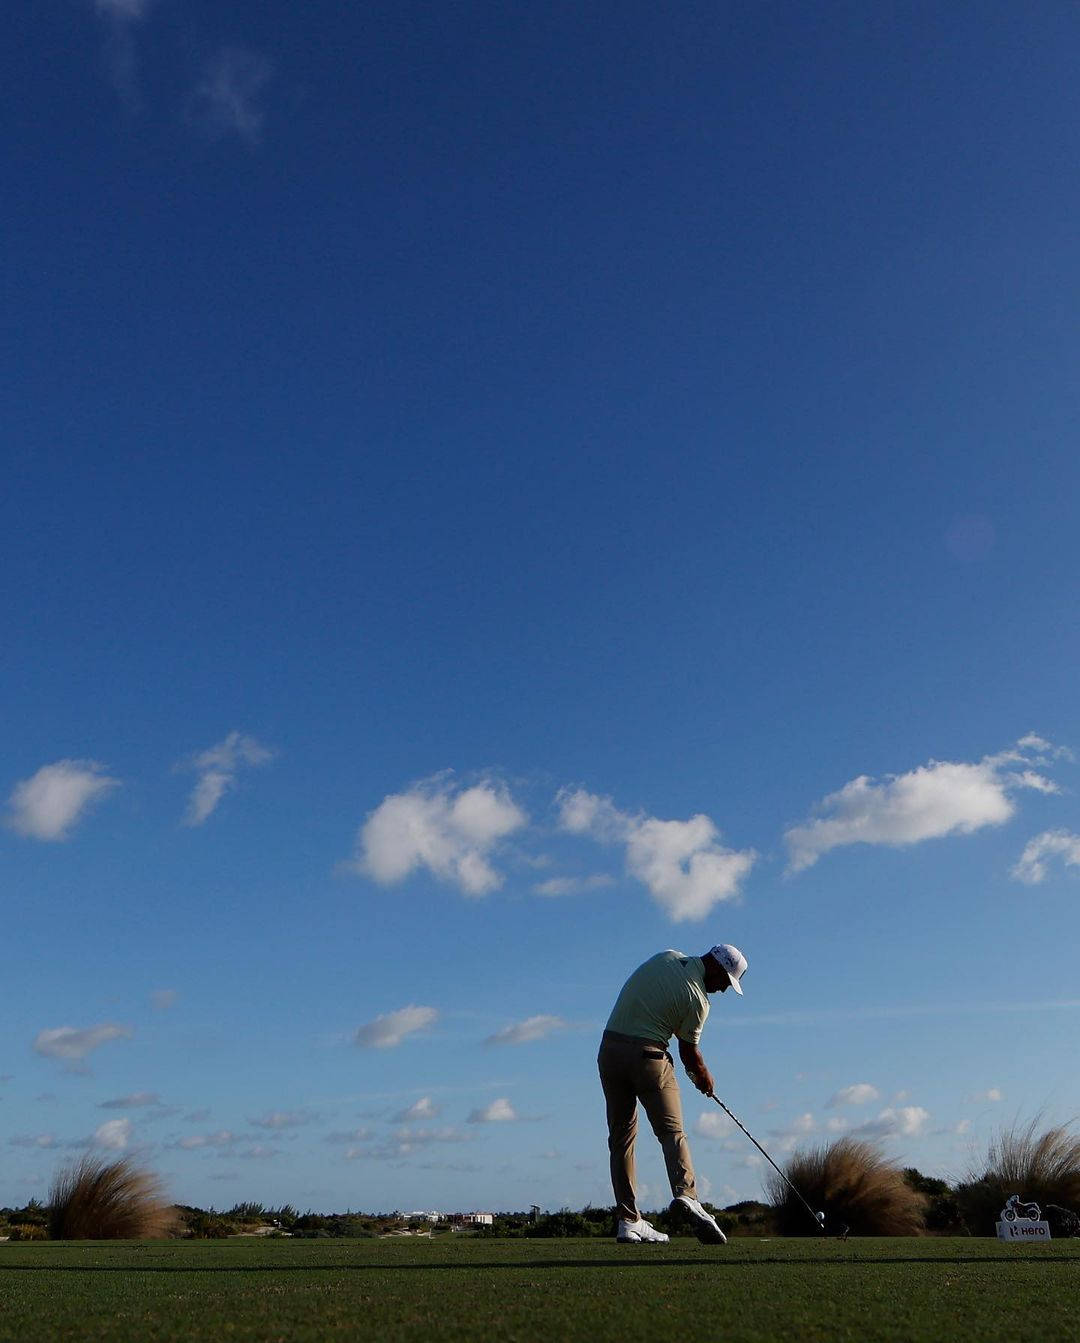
{"x":852,"y":1181}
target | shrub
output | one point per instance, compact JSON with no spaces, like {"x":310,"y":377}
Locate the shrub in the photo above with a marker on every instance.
{"x":1042,"y":1168}
{"x":28,"y":1231}
{"x":211,"y":1225}
{"x":853,"y":1183}
{"x":108,"y":1200}
{"x":943,"y":1215}
{"x":247,"y":1212}
{"x":751,"y":1218}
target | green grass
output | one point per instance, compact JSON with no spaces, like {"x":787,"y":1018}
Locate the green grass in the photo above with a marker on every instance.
{"x":457,"y":1288}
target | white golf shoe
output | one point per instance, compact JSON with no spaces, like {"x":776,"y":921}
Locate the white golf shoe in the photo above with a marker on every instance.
{"x":631,"y":1233}
{"x":703,"y":1223}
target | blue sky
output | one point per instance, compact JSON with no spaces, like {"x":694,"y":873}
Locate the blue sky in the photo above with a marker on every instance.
{"x":491,"y":495}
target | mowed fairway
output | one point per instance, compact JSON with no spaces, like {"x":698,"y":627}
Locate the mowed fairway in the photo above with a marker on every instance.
{"x":453,"y":1288}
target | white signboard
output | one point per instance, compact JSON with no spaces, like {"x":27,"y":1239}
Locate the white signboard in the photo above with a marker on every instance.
{"x":1022,"y":1221}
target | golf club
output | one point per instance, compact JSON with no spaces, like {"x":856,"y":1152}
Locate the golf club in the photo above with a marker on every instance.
{"x":818,"y":1217}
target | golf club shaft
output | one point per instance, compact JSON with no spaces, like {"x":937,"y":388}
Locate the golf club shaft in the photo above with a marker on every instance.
{"x":769,"y":1159}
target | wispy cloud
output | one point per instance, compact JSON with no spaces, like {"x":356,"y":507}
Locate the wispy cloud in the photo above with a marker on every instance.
{"x":218,"y":768}
{"x":1062,"y":844}
{"x":560,"y":886}
{"x":72,"y":1044}
{"x":401,"y":1144}
{"x":439,"y":826}
{"x":859,"y":1093}
{"x":500,"y":1111}
{"x":121,"y":18}
{"x":937,"y":799}
{"x":990,"y":1096}
{"x":389,"y":1029}
{"x":45,"y":1142}
{"x":353,"y":1135}
{"x":137,"y":1100}
{"x":424,"y":1108}
{"x":522,"y":1032}
{"x":162,"y":999}
{"x":682,"y":863}
{"x":283,"y":1119}
{"x":226,"y":101}
{"x":50,"y":803}
{"x":899,"y":1012}
{"x":125,"y":10}
{"x":194,"y":1142}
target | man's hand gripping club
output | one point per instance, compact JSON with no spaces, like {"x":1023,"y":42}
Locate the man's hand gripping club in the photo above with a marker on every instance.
{"x":696,"y":1068}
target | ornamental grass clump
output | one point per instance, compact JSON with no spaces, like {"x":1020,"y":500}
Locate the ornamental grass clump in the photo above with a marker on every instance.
{"x":96,"y":1199}
{"x":1042,"y":1168}
{"x":854,"y":1184}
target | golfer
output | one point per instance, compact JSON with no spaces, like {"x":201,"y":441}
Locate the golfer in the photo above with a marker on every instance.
{"x":664,"y":997}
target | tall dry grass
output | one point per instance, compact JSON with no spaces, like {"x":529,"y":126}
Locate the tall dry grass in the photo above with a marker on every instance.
{"x":96,"y":1199}
{"x":852,"y":1182}
{"x":1042,"y":1168}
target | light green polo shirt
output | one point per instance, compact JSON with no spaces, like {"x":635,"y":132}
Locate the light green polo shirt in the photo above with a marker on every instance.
{"x":664,"y":997}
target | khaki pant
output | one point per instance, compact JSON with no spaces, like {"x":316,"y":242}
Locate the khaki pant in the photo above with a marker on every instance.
{"x":633,"y":1070}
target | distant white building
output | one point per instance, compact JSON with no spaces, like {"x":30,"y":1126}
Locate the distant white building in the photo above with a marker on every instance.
{"x":431,"y":1217}
{"x":477,"y":1219}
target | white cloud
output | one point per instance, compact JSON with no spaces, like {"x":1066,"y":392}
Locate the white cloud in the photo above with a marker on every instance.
{"x":408,"y":1139}
{"x":1061,"y":844}
{"x":120,"y":18}
{"x":682,"y":863}
{"x":389,"y":1029}
{"x":957,"y":1130}
{"x":990,"y":1096}
{"x":1042,"y":751}
{"x":448,"y":830}
{"x":66,"y":1042}
{"x":46,"y":1142}
{"x":123,"y":9}
{"x":906,"y":1121}
{"x":281,"y":1119}
{"x":558,"y":886}
{"x":940,"y":798}
{"x":402,"y":1143}
{"x":836,"y":1123}
{"x":860,"y":1093}
{"x":217,"y":769}
{"x":135,"y":1101}
{"x":364,"y":1134}
{"x":522,"y":1032}
{"x":47,"y":805}
{"x":114,"y":1134}
{"x":585,"y":813}
{"x":226,"y":99}
{"x":498,"y":1112}
{"x":195,"y":1141}
{"x":424,"y":1108}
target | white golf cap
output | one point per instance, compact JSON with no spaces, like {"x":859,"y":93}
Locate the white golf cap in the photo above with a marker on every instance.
{"x":732,"y":960}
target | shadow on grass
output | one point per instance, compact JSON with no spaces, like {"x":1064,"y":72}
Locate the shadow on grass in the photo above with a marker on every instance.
{"x":533,"y":1266}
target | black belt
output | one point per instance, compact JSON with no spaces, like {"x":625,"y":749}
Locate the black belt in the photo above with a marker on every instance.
{"x":641,"y":1040}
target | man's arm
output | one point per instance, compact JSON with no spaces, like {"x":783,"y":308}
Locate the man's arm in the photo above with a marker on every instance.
{"x":696,"y":1068}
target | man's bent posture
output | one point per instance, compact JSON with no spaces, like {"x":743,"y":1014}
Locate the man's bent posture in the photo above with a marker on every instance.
{"x":664,"y":997}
